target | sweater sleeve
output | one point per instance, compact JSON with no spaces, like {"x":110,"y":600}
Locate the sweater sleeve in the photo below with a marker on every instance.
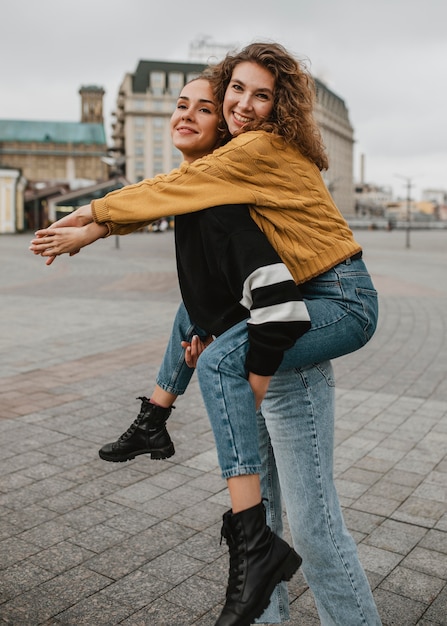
{"x":207,"y":182}
{"x":278,"y":317}
{"x":264,"y":286}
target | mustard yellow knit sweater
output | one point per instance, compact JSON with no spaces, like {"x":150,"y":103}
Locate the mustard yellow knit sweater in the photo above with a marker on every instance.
{"x":288,"y":198}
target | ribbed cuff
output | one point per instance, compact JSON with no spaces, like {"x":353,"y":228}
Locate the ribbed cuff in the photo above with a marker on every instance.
{"x":99,"y":211}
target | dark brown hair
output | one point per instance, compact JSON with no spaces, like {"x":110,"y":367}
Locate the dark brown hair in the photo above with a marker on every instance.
{"x":292,"y":115}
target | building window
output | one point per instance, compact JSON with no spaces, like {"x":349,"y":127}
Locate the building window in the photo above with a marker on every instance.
{"x":157,"y":83}
{"x":139,"y":169}
{"x":158,"y":166}
{"x":175,"y":83}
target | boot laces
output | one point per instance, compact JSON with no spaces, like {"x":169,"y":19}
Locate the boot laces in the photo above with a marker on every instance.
{"x":235,"y":544}
{"x":132,"y":428}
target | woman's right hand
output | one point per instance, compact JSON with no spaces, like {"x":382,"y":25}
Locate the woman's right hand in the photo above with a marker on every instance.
{"x":52,"y":242}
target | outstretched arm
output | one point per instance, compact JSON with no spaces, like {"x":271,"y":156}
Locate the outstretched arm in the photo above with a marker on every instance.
{"x":79,"y":217}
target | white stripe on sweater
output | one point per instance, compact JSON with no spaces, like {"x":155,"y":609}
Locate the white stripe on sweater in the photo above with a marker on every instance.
{"x":284,"y":312}
{"x":263,"y":277}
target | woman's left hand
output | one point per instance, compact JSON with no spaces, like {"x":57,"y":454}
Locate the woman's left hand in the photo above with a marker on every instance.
{"x":194,"y":349}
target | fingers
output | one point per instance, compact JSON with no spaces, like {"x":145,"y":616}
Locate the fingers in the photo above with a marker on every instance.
{"x":194,"y":349}
{"x":190,"y":362}
{"x":44,"y":250}
{"x":42,"y":242}
{"x":191,"y":352}
{"x":45,"y":244}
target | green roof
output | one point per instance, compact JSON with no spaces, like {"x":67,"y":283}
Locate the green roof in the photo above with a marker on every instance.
{"x":55,"y":132}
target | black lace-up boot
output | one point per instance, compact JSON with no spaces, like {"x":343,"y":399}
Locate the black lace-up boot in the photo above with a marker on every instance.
{"x":147,"y":435}
{"x":259,"y":560}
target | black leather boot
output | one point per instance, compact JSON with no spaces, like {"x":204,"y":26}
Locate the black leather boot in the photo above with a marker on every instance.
{"x":147,"y":435}
{"x":259,"y":560}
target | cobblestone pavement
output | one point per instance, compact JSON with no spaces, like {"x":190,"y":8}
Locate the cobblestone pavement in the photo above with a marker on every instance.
{"x":88,"y":542}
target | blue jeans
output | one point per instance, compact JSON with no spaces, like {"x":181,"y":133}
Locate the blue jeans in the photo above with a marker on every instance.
{"x":296,"y":440}
{"x":174,"y":375}
{"x":343,"y":309}
{"x":342,"y":304}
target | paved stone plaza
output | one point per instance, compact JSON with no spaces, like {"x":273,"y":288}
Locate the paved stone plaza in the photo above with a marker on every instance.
{"x":85,"y":542}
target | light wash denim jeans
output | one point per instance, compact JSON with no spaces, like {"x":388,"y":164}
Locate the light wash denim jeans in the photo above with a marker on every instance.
{"x":296,"y":439}
{"x":342,"y":304}
{"x":174,"y":375}
{"x":343,"y":309}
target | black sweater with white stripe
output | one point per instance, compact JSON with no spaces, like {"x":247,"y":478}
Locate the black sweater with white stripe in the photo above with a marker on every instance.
{"x":228,"y":272}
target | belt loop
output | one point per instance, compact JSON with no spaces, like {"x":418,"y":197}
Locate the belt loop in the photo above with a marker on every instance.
{"x":348,"y":261}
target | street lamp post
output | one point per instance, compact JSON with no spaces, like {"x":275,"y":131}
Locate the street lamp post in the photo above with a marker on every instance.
{"x":409,"y":185}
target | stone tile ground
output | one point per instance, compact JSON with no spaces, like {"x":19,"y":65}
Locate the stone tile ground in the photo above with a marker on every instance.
{"x":88,"y":542}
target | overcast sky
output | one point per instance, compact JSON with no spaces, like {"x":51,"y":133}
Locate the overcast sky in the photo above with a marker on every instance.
{"x":387,"y":59}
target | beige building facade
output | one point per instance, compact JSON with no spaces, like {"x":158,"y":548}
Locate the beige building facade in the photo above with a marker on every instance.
{"x":141,"y":133}
{"x":332,"y":116}
{"x":54,"y":152}
{"x":52,"y":155}
{"x":12,"y":188}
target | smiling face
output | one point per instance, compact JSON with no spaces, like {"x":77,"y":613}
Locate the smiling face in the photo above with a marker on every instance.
{"x":249,"y":95}
{"x":195,"y":120}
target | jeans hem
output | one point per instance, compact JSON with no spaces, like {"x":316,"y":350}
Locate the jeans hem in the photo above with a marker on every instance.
{"x":176,"y":391}
{"x":241,"y":471}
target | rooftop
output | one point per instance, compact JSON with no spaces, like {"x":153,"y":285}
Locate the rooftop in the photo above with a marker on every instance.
{"x":55,"y":132}
{"x":141,"y":76}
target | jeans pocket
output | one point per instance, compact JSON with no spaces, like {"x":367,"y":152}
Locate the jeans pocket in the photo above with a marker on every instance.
{"x":369,"y":302}
{"x":317,"y":374}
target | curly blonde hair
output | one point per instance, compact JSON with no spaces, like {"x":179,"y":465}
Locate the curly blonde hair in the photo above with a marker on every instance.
{"x":294,"y":97}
